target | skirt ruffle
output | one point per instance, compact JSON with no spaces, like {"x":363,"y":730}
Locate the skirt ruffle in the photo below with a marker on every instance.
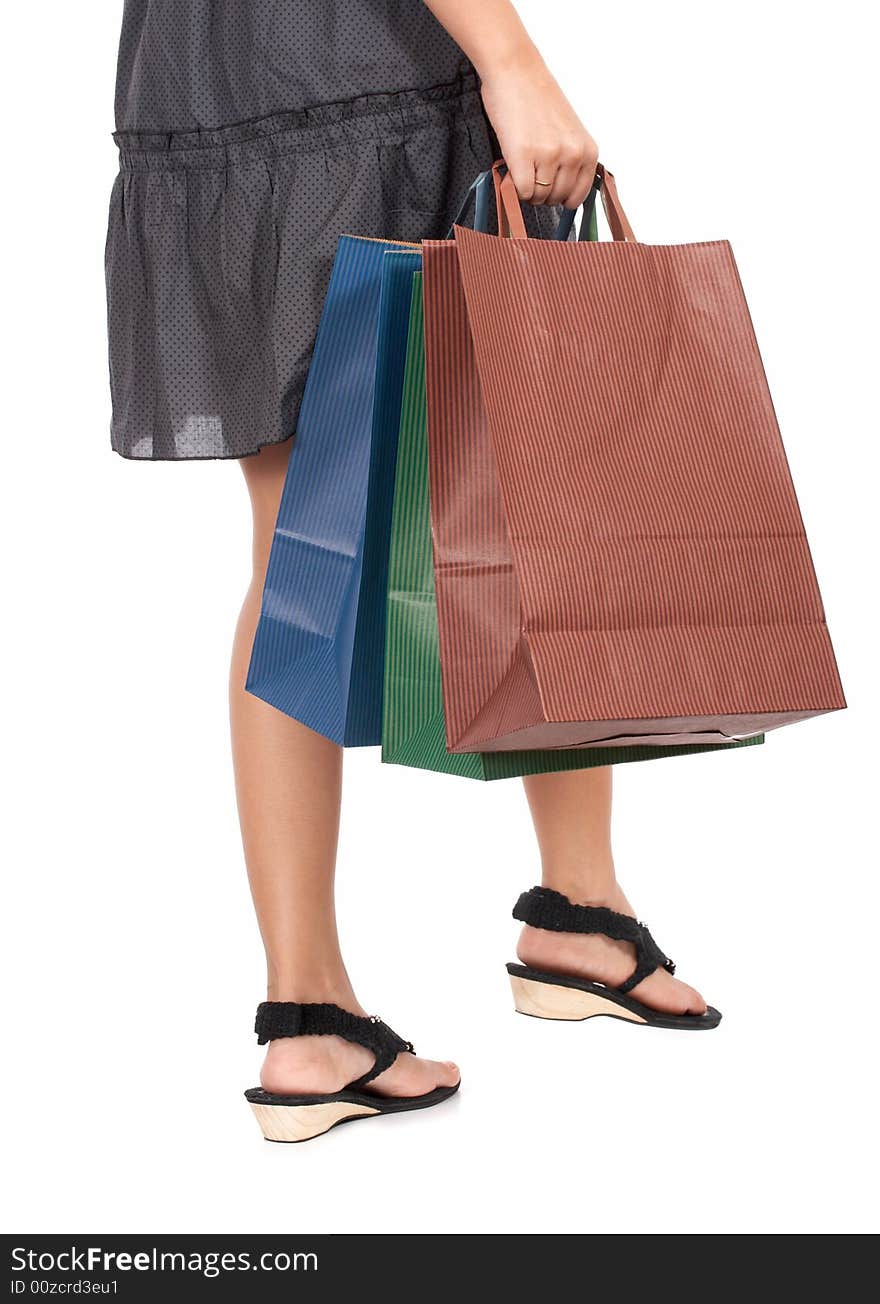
{"x":220,"y":245}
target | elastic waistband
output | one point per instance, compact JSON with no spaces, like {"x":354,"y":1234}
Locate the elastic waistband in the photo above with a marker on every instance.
{"x":382,"y":116}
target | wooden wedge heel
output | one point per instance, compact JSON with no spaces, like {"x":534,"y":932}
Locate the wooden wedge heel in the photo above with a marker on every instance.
{"x":302,"y":1117}
{"x":564,"y":996}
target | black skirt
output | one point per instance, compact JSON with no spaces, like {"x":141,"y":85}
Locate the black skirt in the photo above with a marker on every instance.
{"x":219,"y":251}
{"x":221,"y":238}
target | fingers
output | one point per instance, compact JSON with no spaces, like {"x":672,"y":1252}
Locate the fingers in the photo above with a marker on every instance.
{"x":582,"y":185}
{"x":522,"y":170}
{"x":569,"y":169}
{"x":575,"y":176}
{"x":563,"y":183}
{"x":545,"y":164}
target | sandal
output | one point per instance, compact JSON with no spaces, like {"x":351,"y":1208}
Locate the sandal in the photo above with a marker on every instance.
{"x":299,"y":1118}
{"x":561,"y":996}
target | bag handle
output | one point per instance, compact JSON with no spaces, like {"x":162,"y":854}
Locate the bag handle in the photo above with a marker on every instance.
{"x":617,"y":218}
{"x":480,"y":190}
{"x":510,"y":218}
{"x":589,"y":229}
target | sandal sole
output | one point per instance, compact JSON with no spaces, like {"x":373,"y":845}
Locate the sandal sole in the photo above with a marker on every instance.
{"x":293,"y":1119}
{"x":555,"y":996}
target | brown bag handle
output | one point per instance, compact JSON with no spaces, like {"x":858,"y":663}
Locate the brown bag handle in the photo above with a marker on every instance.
{"x":510,"y":218}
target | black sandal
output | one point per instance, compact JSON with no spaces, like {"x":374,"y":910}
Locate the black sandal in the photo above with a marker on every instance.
{"x":299,"y":1118}
{"x":559,"y":996}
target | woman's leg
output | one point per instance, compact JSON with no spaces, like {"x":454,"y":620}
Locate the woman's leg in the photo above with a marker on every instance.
{"x":572,"y":818}
{"x":288,"y":785}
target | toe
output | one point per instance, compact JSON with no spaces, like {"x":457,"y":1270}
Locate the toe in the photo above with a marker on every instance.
{"x":442,"y":1073}
{"x":687,"y":1000}
{"x":662,"y":992}
{"x":453,"y":1073}
{"x":696,"y":1004}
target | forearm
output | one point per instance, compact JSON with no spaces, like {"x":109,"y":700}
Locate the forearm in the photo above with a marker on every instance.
{"x":549,"y":152}
{"x":490,"y":32}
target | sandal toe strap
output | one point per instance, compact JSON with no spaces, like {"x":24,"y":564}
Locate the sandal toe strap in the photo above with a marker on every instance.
{"x":277,"y":1019}
{"x":648,"y":958}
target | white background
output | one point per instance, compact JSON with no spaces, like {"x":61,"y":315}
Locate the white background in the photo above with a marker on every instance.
{"x":131,"y":960}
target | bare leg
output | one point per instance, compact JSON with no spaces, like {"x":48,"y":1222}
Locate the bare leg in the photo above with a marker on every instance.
{"x":572,"y":818}
{"x":288,"y":785}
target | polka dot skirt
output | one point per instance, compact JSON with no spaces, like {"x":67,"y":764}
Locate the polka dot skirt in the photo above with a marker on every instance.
{"x":251,"y":137}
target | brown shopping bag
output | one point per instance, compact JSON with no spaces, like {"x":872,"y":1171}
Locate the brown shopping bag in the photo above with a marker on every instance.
{"x":619,"y":554}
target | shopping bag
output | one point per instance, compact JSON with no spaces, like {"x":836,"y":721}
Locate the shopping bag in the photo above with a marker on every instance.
{"x":652,"y":582}
{"x":413,"y":729}
{"x":318,"y":648}
{"x":317,"y":653}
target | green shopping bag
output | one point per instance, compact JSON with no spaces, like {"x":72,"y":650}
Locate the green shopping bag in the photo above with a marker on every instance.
{"x":413,"y":730}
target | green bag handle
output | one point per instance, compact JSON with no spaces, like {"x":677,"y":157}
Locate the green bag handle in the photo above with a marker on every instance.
{"x":589,"y":229}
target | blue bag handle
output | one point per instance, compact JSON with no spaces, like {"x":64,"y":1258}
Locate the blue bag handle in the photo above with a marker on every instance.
{"x":481,"y":189}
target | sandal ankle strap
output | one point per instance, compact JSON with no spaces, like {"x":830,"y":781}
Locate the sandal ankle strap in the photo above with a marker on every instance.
{"x":277,"y":1019}
{"x":541,"y":907}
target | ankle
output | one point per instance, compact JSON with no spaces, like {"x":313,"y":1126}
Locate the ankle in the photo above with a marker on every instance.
{"x":314,"y":989}
{"x":585,"y":885}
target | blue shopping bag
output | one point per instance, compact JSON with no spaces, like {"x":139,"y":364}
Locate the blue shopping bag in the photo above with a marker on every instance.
{"x":304,"y":659}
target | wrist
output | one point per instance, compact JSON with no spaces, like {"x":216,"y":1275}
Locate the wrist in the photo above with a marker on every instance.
{"x":520,"y":58}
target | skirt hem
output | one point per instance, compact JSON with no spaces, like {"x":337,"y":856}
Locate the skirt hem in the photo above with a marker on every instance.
{"x":202,"y":457}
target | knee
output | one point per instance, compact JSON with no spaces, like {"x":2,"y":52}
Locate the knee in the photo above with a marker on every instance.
{"x":261,"y":548}
{"x":266,"y":484}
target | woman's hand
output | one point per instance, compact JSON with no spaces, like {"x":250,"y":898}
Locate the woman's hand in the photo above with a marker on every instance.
{"x":541,"y":137}
{"x":548,"y":150}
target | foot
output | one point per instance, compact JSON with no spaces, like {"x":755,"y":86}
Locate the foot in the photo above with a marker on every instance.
{"x":323,"y":1065}
{"x":601,"y":960}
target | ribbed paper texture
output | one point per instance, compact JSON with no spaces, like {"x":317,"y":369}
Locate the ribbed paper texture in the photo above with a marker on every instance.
{"x":414,"y":730}
{"x":619,"y":550}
